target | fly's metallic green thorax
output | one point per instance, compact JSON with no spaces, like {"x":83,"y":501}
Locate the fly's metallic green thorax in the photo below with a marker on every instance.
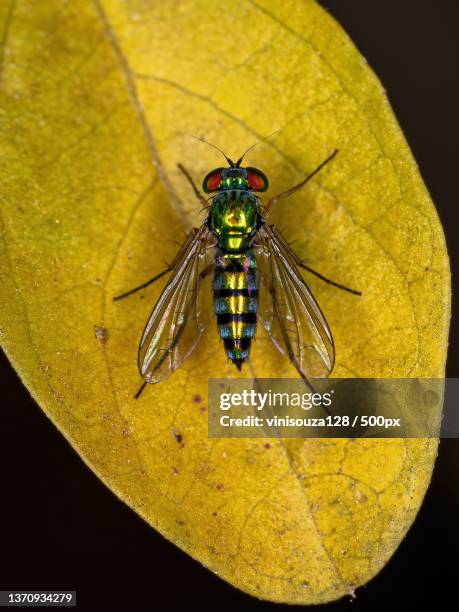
{"x":234,"y":218}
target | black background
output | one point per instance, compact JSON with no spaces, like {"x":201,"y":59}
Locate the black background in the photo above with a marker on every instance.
{"x":62,"y":529}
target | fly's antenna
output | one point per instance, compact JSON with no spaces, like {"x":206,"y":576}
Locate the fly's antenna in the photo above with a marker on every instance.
{"x":200,"y":138}
{"x":239,"y":161}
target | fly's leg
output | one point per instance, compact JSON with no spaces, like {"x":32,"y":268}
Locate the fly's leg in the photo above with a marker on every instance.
{"x":149,"y":282}
{"x":196,"y":191}
{"x":142,"y":387}
{"x":168,"y":269}
{"x":300,"y":263}
{"x":327,"y":280}
{"x":291,"y":191}
{"x":295,"y":257}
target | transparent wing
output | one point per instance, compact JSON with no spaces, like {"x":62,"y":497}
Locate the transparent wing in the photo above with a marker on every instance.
{"x":182,"y":311}
{"x":288,"y":310}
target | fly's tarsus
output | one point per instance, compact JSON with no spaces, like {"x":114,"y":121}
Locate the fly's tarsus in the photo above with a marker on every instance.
{"x":329,"y":281}
{"x":149,"y":282}
{"x":139,"y":392}
{"x":196,"y":191}
{"x":292,"y":190}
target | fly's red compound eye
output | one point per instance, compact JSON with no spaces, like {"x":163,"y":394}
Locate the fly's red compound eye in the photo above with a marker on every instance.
{"x":256,"y":180}
{"x":212,"y":181}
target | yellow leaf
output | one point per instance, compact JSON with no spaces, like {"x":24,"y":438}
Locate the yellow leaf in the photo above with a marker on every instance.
{"x":98,"y":101}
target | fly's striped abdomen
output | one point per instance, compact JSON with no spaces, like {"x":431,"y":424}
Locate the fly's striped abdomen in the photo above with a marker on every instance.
{"x":236,"y":303}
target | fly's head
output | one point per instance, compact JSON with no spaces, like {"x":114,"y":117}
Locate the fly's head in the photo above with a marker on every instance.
{"x":234,"y":177}
{"x":235,"y":209}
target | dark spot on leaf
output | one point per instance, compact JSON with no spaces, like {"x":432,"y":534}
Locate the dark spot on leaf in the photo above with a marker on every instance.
{"x":101,"y":333}
{"x":175,"y":470}
{"x":267,"y":445}
{"x":197,"y":399}
{"x":178,"y":436}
